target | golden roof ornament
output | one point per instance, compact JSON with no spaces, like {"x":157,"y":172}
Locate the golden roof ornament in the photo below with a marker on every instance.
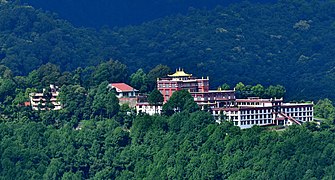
{"x":180,"y":73}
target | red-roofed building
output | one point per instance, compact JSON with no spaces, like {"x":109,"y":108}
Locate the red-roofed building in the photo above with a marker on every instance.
{"x":123,"y":90}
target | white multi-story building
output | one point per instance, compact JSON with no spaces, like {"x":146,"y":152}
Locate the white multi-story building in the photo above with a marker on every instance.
{"x":264,"y":112}
{"x":38,"y":101}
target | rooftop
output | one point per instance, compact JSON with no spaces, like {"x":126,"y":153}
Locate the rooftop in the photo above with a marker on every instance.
{"x":123,"y":87}
{"x":180,"y":73}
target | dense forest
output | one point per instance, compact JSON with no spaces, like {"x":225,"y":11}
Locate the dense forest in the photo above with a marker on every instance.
{"x":288,"y":43}
{"x":183,"y":146}
{"x":93,"y":137}
{"x":111,"y":13}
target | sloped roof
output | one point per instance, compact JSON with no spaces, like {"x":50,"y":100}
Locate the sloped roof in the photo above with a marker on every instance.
{"x":123,"y":87}
{"x":180,"y":73}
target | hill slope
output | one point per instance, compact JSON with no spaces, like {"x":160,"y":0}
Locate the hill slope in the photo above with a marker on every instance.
{"x":288,"y":43}
{"x":98,"y":13}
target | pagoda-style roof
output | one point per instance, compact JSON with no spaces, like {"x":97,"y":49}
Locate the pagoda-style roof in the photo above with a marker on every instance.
{"x":180,"y":73}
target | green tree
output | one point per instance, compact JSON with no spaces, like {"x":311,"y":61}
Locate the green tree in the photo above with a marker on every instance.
{"x":54,"y":170}
{"x":180,"y":101}
{"x":258,"y":90}
{"x":111,"y":71}
{"x":7,"y":89}
{"x":225,"y":86}
{"x":155,"y":98}
{"x":105,"y":102}
{"x":73,"y":99}
{"x":158,"y":72}
{"x":277,"y":91}
{"x":139,"y":80}
{"x":44,"y":76}
{"x":324,"y":109}
{"x":240,"y":89}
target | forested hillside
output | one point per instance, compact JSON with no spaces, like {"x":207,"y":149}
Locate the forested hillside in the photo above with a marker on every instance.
{"x":184,"y":146}
{"x":288,"y":43}
{"x":111,"y":13}
{"x":30,"y":38}
{"x":93,"y":137}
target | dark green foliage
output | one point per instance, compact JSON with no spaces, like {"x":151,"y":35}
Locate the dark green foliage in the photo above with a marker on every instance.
{"x":180,"y":101}
{"x":75,"y":101}
{"x":225,"y":86}
{"x":111,"y":71}
{"x":324,"y":109}
{"x":139,"y":80}
{"x":155,"y":97}
{"x":242,"y":42}
{"x":189,"y":145}
{"x":30,"y":38}
{"x":157,"y":72}
{"x":244,"y":91}
{"x":92,"y":137}
{"x":105,"y":103}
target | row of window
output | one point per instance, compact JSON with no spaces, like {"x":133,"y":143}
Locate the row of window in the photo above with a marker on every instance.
{"x":149,"y":107}
{"x":262,"y":116}
{"x":297,"y":109}
{"x":256,"y":111}
{"x":300,"y":114}
{"x":167,"y":85}
{"x":249,"y":103}
{"x":268,"y":121}
{"x":304,"y":119}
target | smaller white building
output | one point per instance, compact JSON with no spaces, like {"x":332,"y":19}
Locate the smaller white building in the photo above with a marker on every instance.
{"x":38,"y":101}
{"x":145,"y":107}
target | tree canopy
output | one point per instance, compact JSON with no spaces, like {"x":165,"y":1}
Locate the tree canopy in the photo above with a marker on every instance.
{"x":241,"y":42}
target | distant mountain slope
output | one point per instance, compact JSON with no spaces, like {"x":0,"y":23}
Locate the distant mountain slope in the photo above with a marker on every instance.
{"x":288,"y":43}
{"x":98,"y":13}
{"x":30,"y":38}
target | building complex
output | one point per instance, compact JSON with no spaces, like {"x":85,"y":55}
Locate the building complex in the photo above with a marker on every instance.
{"x":223,"y":104}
